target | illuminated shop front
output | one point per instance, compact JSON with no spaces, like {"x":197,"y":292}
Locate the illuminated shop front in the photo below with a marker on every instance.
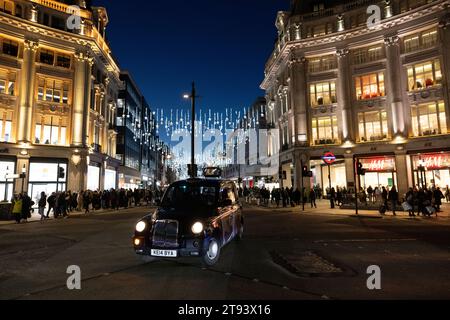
{"x":93,"y":177}
{"x":431,"y":170}
{"x":7,"y":167}
{"x":321,"y":171}
{"x":380,"y":172}
{"x":110,"y":179}
{"x":46,"y":176}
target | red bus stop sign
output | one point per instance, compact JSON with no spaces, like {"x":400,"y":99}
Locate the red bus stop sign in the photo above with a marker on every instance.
{"x":329,"y":158}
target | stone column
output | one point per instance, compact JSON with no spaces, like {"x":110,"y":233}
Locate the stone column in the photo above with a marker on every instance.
{"x":27,"y":85}
{"x":344,"y":97}
{"x":402,"y":172}
{"x":394,"y":86}
{"x":298,"y":89}
{"x":349,"y":170}
{"x":81,"y":99}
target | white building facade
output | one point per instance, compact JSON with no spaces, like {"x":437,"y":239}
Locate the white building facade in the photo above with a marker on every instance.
{"x":374,"y":94}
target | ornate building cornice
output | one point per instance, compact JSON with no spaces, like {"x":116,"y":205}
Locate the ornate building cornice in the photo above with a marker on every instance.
{"x":354,"y":35}
{"x":393,"y":40}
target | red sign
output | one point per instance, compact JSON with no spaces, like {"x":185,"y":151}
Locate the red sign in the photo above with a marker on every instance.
{"x":379,"y":164}
{"x":433,"y":161}
{"x":329,"y":158}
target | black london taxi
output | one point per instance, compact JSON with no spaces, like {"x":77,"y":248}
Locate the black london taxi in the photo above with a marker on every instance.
{"x":196,"y":218}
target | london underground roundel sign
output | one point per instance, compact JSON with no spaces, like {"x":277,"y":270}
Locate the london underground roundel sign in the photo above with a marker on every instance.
{"x":329,"y":158}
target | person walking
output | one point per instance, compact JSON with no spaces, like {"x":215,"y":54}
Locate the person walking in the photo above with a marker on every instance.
{"x":17,"y":208}
{"x":447,"y":194}
{"x":438,"y":196}
{"x":51,"y":200}
{"x":312,"y":198}
{"x":332,"y":198}
{"x":86,"y":202}
{"x":410,"y":200}
{"x":26,"y":207}
{"x":41,"y":205}
{"x":393,"y":198}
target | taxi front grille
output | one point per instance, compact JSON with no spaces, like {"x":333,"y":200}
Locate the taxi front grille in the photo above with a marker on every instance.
{"x":165,"y":234}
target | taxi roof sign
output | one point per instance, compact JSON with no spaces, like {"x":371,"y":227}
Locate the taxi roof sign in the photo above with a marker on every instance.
{"x":212,"y":172}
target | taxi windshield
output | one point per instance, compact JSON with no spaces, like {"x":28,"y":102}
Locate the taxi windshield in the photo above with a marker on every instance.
{"x":190,"y":195}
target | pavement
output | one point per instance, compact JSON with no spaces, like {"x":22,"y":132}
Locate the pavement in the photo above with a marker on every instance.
{"x":285,"y":254}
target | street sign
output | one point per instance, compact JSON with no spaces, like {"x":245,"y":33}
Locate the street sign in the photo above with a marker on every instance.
{"x":329,"y":158}
{"x":10,"y":176}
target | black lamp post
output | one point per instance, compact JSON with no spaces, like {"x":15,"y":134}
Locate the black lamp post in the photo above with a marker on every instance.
{"x":23,"y":175}
{"x":192,"y":96}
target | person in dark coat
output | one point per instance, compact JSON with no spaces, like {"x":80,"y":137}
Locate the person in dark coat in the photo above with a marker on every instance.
{"x":41,"y":205}
{"x":26,"y":207}
{"x":332,"y":197}
{"x":393,"y":198}
{"x":312,"y":198}
{"x":51,"y":200}
{"x":86,"y":201}
{"x":410,"y":199}
{"x":438,"y":196}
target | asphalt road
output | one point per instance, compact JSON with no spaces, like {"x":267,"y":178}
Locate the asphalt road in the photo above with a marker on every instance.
{"x":285,"y":255}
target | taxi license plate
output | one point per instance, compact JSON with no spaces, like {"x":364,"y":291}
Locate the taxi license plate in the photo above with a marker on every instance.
{"x":164,"y":253}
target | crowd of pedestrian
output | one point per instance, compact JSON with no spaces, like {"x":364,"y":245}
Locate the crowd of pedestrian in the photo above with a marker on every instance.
{"x":420,"y":201}
{"x":61,"y":204}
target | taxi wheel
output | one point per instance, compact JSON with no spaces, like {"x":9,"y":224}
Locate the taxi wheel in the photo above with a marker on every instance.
{"x":212,"y":253}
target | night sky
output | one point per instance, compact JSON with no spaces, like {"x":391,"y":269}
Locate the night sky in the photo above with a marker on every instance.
{"x":221,"y":44}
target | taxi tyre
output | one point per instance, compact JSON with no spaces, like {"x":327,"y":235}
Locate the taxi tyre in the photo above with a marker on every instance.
{"x":210,"y":258}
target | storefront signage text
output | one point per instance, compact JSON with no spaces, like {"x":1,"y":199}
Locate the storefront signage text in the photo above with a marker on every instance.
{"x":379,"y":164}
{"x":433,"y":161}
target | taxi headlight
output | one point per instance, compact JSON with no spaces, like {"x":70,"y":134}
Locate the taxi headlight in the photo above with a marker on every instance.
{"x":140,"y":226}
{"x":197,"y":228}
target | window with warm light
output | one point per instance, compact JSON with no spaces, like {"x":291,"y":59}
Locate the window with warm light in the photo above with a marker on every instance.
{"x":7,"y":82}
{"x":325,"y":130}
{"x":370,"y":86}
{"x":323,"y":93}
{"x":6,"y":117}
{"x":51,"y":130}
{"x":51,"y":90}
{"x":323,"y":63}
{"x":373,"y":126}
{"x":424,"y":75}
{"x":429,"y":119}
{"x":422,"y":40}
{"x":368,"y":54}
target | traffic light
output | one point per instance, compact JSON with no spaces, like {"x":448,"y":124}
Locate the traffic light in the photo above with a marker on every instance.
{"x":360,"y":170}
{"x":61,"y":173}
{"x":306,"y":173}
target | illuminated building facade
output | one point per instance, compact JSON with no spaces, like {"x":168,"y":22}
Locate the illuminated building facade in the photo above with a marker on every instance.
{"x":142,"y":155}
{"x":378,"y":93}
{"x":58,"y":91}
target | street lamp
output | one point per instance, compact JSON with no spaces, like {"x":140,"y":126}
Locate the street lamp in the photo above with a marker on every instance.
{"x":192,"y":96}
{"x":23,"y":175}
{"x":6,"y":184}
